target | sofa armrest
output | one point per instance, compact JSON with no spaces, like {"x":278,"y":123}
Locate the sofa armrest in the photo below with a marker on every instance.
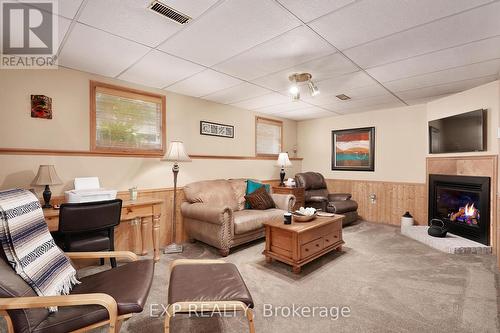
{"x":339,"y":196}
{"x":316,"y":198}
{"x":284,"y":201}
{"x":205,"y":212}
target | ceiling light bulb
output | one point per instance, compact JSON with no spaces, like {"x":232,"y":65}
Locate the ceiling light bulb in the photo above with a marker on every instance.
{"x":294,"y":92}
{"x":313,"y":88}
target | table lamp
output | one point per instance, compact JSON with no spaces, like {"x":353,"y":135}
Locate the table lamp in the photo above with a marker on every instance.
{"x":47,"y":176}
{"x":176,"y":153}
{"x":283,"y":162}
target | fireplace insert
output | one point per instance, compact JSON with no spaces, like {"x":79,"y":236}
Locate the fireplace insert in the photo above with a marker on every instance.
{"x":463,"y":204}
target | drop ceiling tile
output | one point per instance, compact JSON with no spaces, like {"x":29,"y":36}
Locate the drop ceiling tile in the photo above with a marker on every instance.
{"x":66,"y":8}
{"x":448,"y":88}
{"x":294,"y":47}
{"x":355,"y":93}
{"x":374,"y":107}
{"x":237,"y":93}
{"x":423,"y":100}
{"x":203,"y":83}
{"x":340,"y":84}
{"x":62,"y":27}
{"x":262,"y":101}
{"x":481,"y":23}
{"x":285,"y":107}
{"x":368,"y":20}
{"x":91,"y":50}
{"x":326,"y":67}
{"x":306,"y":114}
{"x":130,"y":19}
{"x":453,"y":57}
{"x":228,"y":29}
{"x":191,"y":8}
{"x":158,"y":69}
{"x":311,"y":9}
{"x":482,"y":69}
{"x":356,"y":104}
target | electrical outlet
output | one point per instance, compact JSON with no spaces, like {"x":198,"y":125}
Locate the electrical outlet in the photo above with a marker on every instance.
{"x":373,"y":198}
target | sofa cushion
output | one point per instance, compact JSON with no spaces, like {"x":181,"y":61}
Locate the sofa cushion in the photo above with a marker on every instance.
{"x":252,"y":186}
{"x":239,"y":187}
{"x":214,"y":192}
{"x":249,"y":220}
{"x":260,"y":199}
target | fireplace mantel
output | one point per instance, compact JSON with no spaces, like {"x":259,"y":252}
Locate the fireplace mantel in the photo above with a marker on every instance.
{"x":472,"y":165}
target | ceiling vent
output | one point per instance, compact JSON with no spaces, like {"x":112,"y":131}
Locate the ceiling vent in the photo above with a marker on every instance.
{"x":168,"y":12}
{"x":343,"y":97}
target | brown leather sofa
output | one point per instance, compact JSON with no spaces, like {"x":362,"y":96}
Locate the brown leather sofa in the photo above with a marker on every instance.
{"x":317,"y":196}
{"x":214,"y":213}
{"x":107,"y":297}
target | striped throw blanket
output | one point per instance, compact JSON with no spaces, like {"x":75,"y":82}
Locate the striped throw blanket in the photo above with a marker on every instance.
{"x":29,"y":246}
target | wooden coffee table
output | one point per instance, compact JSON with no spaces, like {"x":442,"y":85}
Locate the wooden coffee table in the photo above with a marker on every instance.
{"x":299,"y":243}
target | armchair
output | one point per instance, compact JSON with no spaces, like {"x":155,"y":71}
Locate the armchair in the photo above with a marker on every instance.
{"x":107,"y":297}
{"x":214,"y":213}
{"x":317,"y":196}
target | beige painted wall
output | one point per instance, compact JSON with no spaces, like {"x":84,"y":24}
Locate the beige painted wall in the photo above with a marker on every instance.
{"x":400,"y":144}
{"x":69,"y":130}
{"x":486,"y":96}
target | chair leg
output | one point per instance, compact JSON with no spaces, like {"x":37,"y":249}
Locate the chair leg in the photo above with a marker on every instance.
{"x":113,"y":262}
{"x":8,"y":321}
{"x":102,"y":261}
{"x":168,"y":315}
{"x":111,"y":233}
{"x":251,"y":325}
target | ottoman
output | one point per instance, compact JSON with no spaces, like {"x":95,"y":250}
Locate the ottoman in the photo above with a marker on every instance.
{"x":207,"y":286}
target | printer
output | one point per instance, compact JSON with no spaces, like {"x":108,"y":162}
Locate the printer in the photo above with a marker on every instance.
{"x":88,"y":189}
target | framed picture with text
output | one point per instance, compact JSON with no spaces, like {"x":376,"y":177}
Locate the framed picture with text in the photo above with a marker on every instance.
{"x":214,"y":129}
{"x":353,"y":149}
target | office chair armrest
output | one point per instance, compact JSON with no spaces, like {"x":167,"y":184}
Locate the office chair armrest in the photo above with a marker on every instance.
{"x":103,"y":254}
{"x":105,"y":300}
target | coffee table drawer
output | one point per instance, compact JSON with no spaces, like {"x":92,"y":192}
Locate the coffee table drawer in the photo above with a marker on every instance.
{"x":332,"y":238}
{"x":316,"y":233}
{"x":312,"y":248}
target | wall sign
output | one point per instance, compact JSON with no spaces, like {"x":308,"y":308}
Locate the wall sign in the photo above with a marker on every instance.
{"x":214,"y":129}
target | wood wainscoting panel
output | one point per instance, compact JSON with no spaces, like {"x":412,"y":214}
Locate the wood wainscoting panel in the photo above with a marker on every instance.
{"x":393,"y":199}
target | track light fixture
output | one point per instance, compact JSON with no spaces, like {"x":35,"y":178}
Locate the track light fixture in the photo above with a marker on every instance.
{"x":299,"y":78}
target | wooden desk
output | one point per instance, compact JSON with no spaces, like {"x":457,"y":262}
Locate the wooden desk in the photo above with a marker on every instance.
{"x":137,"y":213}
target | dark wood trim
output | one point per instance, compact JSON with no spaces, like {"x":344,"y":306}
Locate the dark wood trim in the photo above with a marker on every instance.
{"x":55,"y":152}
{"x":123,"y":151}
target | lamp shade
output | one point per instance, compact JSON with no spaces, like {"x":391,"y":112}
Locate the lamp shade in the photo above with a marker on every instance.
{"x":176,"y":153}
{"x":47,"y":176}
{"x":283,"y":160}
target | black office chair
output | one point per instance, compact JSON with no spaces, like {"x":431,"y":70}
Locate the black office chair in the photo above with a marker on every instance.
{"x":89,"y":226}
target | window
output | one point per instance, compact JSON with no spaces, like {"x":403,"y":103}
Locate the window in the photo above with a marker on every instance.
{"x":268,"y":136}
{"x":126,"y":121}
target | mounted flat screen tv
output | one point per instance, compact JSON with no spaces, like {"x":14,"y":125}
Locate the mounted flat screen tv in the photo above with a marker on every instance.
{"x":461,"y":133}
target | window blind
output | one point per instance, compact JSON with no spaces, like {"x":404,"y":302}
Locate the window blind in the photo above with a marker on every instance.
{"x":127,"y":121}
{"x":268,"y":136}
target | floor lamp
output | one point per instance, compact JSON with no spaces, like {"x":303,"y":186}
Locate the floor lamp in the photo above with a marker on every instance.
{"x":176,"y":153}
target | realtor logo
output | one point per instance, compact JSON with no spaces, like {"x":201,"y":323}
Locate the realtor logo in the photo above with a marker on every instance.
{"x":29,"y":34}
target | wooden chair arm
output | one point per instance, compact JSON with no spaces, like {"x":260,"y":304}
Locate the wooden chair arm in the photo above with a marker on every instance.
{"x":108,"y":302}
{"x":104,"y":254}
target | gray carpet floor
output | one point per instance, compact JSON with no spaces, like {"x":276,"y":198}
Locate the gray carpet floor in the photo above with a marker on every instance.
{"x":389,"y":282}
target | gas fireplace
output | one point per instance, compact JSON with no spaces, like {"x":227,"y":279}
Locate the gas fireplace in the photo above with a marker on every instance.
{"x":463,"y":204}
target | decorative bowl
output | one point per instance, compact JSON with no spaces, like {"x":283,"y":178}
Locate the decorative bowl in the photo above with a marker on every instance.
{"x":304,"y":218}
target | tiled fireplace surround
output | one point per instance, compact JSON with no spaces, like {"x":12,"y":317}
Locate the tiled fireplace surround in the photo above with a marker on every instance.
{"x":479,"y":165}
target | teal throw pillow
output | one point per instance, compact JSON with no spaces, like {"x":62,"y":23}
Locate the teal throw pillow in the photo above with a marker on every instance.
{"x":253,"y":186}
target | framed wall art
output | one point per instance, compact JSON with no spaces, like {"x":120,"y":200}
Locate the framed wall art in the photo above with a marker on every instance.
{"x":353,"y":149}
{"x":214,"y":129}
{"x":41,"y":107}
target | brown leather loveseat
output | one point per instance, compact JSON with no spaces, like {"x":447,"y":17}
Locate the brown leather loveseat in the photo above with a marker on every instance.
{"x":317,"y":196}
{"x":215,"y":213}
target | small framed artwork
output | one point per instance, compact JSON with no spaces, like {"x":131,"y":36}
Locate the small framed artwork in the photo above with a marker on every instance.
{"x":214,"y":129}
{"x":41,"y":107}
{"x":353,"y":149}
